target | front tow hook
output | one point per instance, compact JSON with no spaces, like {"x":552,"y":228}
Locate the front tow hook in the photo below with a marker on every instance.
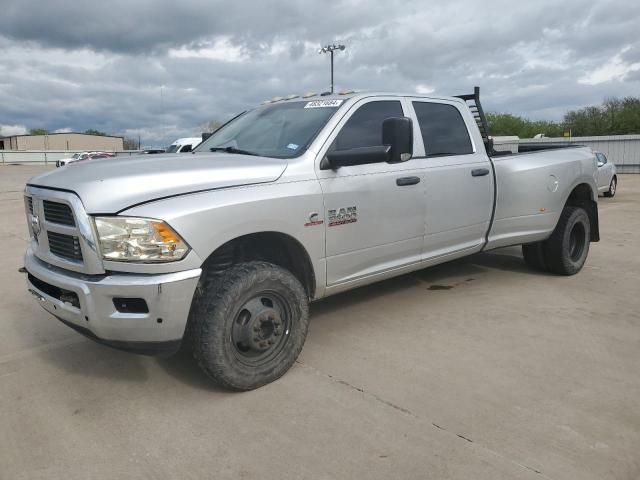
{"x":37,"y":295}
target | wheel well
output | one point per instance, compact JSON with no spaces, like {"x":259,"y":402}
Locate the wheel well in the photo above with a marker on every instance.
{"x":274,"y":247}
{"x":582,"y":196}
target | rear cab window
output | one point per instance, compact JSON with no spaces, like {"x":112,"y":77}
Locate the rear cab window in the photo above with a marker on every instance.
{"x":443,"y":129}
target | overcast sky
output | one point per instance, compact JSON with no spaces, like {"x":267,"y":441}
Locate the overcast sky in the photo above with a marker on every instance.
{"x":161,"y":68}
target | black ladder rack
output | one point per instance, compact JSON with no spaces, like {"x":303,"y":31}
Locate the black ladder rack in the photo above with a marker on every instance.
{"x":473,"y":102}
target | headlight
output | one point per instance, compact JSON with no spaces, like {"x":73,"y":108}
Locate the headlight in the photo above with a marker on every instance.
{"x":130,"y":239}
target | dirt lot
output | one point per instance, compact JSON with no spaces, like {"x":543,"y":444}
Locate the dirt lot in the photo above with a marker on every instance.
{"x":507,"y":374}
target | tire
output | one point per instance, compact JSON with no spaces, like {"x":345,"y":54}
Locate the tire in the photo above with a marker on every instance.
{"x":613,"y":186}
{"x":566,"y":250}
{"x":248,"y":324}
{"x":533,"y":254}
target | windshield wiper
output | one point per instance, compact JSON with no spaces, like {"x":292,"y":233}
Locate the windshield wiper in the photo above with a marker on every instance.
{"x":239,"y":151}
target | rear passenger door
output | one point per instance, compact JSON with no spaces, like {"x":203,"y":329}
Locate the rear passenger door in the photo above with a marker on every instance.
{"x":458,"y":179}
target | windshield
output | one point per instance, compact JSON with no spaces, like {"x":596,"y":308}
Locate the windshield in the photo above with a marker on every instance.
{"x":173,"y":148}
{"x":76,"y":156}
{"x":281,"y":130}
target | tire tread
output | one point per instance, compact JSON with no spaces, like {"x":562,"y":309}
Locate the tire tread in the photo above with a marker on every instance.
{"x":555,"y":257}
{"x":217,"y":291}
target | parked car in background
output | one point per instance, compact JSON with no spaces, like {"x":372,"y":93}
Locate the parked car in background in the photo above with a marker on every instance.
{"x":76,"y":156}
{"x":83,"y":156}
{"x":184,"y":145}
{"x":153,"y":151}
{"x":607,"y":176}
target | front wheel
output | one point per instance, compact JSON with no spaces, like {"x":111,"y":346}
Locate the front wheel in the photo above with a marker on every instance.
{"x":566,"y":250}
{"x":612,"y":188}
{"x":249,"y":324}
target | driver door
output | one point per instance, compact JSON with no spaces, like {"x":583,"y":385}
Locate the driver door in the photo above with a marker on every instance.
{"x":374,"y":213}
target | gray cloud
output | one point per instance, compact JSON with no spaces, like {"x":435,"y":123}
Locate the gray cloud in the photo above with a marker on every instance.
{"x":104,"y":65}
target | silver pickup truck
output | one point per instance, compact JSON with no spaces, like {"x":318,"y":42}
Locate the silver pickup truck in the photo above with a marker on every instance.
{"x":222,"y":250}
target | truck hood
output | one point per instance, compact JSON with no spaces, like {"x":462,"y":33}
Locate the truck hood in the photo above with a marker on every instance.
{"x":111,"y":185}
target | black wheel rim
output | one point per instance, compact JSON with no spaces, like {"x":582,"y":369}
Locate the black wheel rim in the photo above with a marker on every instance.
{"x":577,"y":241}
{"x":261,"y":328}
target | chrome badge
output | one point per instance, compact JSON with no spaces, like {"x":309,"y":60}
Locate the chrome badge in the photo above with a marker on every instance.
{"x":342,"y":216}
{"x":34,"y":221}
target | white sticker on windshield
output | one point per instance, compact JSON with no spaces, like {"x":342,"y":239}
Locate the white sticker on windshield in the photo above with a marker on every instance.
{"x":323,"y":103}
{"x":292,"y":146}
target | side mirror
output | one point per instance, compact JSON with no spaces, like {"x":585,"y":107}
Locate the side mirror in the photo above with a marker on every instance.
{"x":397,"y":132}
{"x":356,"y":156}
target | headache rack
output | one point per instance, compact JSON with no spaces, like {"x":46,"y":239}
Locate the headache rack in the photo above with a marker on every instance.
{"x":473,"y":102}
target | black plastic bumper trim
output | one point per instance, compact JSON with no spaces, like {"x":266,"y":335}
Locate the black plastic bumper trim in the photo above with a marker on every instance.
{"x":164,"y":349}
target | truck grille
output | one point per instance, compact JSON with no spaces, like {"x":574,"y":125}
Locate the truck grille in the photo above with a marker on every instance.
{"x":62,"y":232}
{"x":60,"y":213}
{"x":65,"y":246}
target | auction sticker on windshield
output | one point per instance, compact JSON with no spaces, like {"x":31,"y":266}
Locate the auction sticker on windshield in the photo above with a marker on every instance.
{"x":323,"y":103}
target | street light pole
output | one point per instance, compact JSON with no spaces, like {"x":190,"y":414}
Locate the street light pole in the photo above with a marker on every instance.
{"x":331,"y":71}
{"x":330,"y":49}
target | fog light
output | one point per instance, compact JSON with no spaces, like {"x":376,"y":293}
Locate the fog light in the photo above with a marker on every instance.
{"x":130,"y":305}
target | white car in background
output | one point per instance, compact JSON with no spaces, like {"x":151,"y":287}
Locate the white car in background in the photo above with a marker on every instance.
{"x":184,"y":145}
{"x":607,"y":176}
{"x":82,"y":156}
{"x":75,"y":157}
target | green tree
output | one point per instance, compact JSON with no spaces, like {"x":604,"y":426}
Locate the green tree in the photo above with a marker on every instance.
{"x":501,"y":124}
{"x":38,"y":131}
{"x":614,"y":117}
{"x":130,"y":143}
{"x":92,"y":131}
{"x":211,"y":126}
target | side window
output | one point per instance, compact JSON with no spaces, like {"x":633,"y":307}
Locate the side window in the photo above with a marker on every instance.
{"x":186,"y":149}
{"x":364,"y":128}
{"x":602,"y":158}
{"x":443,"y":129}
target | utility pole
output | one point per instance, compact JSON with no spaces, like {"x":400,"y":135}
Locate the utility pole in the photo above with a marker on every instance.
{"x":330,"y":49}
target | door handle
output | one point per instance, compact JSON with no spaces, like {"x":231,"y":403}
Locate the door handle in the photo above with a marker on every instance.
{"x":479,"y":172}
{"x":404,"y":181}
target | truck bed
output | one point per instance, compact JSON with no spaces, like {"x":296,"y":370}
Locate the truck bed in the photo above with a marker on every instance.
{"x":524,"y":148}
{"x":532,"y":188}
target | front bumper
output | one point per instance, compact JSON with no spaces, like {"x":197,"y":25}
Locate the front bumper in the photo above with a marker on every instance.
{"x":159,"y":331}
